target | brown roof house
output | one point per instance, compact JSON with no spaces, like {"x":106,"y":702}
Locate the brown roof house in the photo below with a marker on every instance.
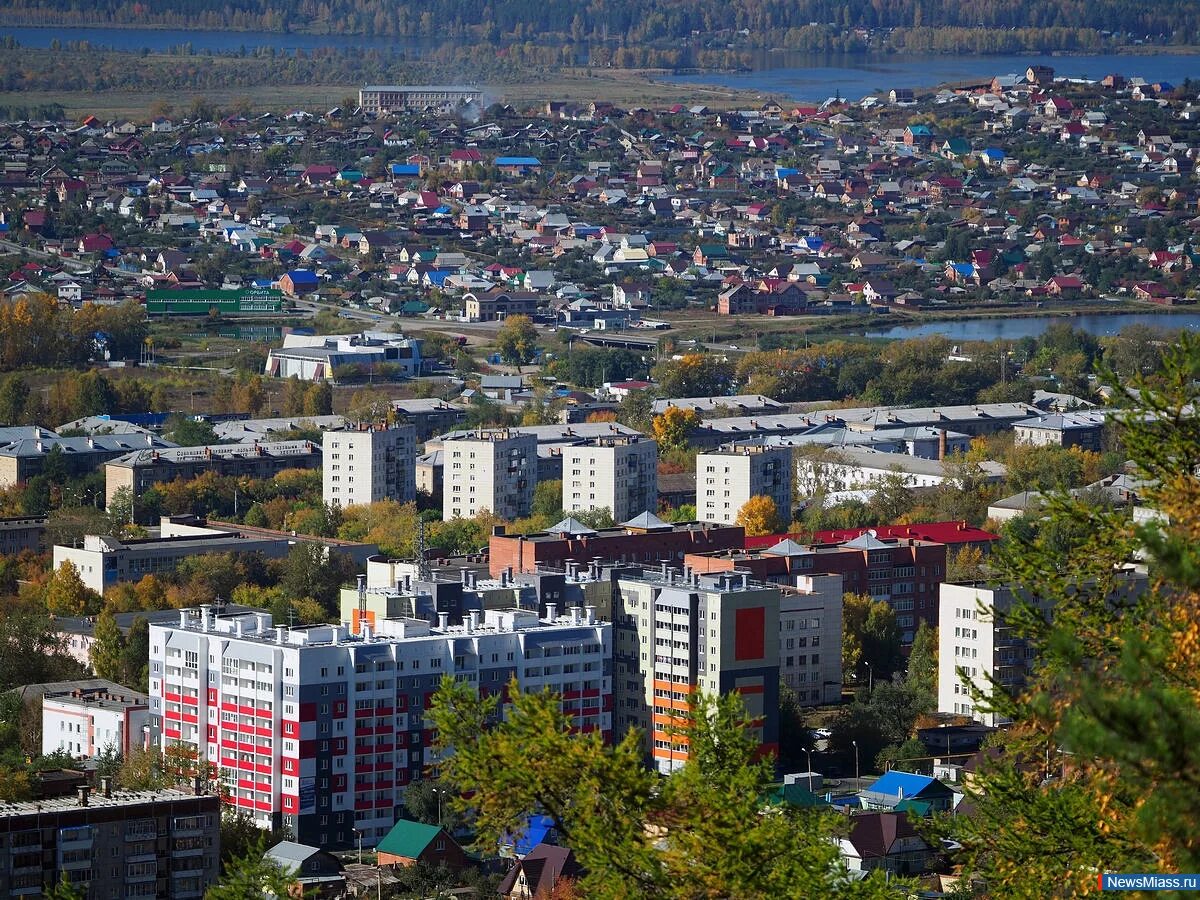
{"x":536,"y":875}
{"x":886,"y":840}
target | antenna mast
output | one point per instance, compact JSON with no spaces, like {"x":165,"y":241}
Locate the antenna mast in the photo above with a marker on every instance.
{"x":422,"y":560}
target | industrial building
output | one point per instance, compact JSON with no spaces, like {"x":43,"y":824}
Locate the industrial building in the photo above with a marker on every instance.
{"x":379,"y":99}
{"x":321,"y":357}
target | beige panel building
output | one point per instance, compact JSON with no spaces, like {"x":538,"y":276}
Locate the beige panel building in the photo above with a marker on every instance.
{"x":493,"y":469}
{"x":262,"y":459}
{"x":728,"y":477}
{"x":619,"y":473}
{"x":370,"y":464}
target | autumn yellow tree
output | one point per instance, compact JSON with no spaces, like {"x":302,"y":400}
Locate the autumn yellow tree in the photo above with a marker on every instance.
{"x":759,"y":516}
{"x":672,"y":428}
{"x":67,"y":595}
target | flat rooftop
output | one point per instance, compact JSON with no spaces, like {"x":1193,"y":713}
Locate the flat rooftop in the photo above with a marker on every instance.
{"x":96,"y":800}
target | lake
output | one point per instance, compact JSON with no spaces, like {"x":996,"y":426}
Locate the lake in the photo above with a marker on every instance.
{"x":816,"y":77}
{"x":786,"y":73}
{"x":1015,"y":328}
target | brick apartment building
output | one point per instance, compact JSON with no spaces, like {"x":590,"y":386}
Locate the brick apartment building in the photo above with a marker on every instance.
{"x":904,"y":572}
{"x":644,"y":539}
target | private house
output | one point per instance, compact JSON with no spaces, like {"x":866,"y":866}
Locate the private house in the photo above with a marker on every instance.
{"x":1040,"y":75}
{"x":297,"y":282}
{"x":536,"y":876}
{"x":518,"y":166}
{"x":498,"y":304}
{"x":918,"y":136}
{"x":888,"y":841}
{"x":409,"y":843}
{"x":896,"y":787}
{"x":317,"y":874}
{"x":1064,"y":286}
{"x":710,"y":255}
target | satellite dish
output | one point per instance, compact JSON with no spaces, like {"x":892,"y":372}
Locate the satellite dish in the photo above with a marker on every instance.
{"x":872,"y":532}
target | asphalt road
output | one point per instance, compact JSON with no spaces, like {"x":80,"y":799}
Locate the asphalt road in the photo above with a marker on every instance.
{"x":71,"y":265}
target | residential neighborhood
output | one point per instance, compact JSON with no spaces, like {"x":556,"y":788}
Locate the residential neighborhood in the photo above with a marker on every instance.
{"x":429,"y":497}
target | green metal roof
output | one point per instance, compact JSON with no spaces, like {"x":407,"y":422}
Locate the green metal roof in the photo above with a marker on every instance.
{"x":408,"y":839}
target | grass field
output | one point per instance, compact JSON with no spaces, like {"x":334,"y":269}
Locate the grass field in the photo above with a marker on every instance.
{"x":625,"y":87}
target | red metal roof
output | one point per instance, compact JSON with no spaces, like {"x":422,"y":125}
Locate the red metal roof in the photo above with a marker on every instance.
{"x":949,"y":533}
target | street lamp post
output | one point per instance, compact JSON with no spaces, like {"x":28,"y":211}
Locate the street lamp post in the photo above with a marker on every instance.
{"x":358,"y":834}
{"x":808,"y":757}
{"x":870,"y":679}
{"x":857,"y":785}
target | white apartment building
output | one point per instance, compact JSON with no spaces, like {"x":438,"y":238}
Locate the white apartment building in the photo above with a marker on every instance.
{"x":619,"y":473}
{"x":728,"y":477}
{"x":104,"y":560}
{"x":681,"y":633}
{"x":86,"y":722}
{"x":976,"y":646}
{"x":493,"y":469}
{"x":320,"y":730}
{"x":862,"y":468}
{"x":810,"y":639}
{"x":369,"y":464}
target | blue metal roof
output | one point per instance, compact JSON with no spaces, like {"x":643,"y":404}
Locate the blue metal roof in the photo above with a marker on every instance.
{"x":901,"y":784}
{"x":517,"y":161}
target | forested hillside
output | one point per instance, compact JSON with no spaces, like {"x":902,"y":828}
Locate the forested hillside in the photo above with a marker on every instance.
{"x":769,"y":22}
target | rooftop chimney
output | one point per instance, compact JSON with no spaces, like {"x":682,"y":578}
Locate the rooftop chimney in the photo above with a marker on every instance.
{"x":82,"y":793}
{"x":551,"y":611}
{"x":106,"y":785}
{"x":443,"y":620}
{"x":941,"y":443}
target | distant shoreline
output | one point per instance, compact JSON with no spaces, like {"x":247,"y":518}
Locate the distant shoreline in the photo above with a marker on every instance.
{"x":1131,"y":50}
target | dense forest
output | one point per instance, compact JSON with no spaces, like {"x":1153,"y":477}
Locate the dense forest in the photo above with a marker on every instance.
{"x":766,"y":22}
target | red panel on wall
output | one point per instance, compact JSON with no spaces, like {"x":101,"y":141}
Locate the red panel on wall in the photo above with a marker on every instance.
{"x":750,"y":633}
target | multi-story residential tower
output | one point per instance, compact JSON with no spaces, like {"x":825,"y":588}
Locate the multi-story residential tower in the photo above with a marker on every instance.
{"x":619,"y":473}
{"x":728,"y":477}
{"x":320,"y":730}
{"x":680,"y":634}
{"x":977,"y":646}
{"x":372,"y":463}
{"x":810,"y":639}
{"x":158,"y":845}
{"x":493,"y":469}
